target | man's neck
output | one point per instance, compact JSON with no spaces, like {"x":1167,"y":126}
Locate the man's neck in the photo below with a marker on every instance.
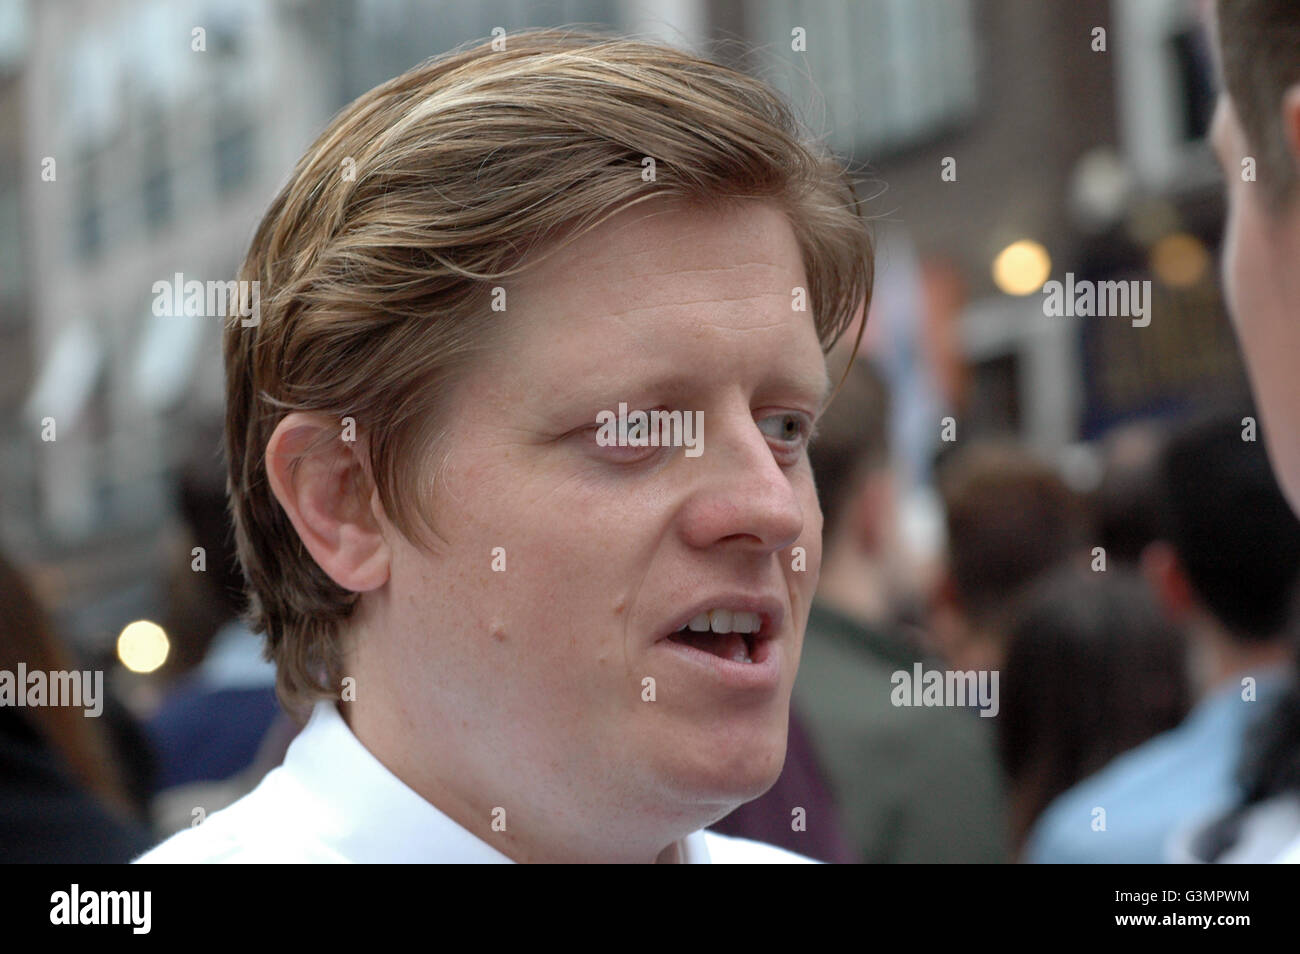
{"x":1218,"y":659}
{"x":527,"y":834}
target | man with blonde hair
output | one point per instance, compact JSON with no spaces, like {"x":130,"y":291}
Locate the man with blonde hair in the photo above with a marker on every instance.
{"x":520,"y":641}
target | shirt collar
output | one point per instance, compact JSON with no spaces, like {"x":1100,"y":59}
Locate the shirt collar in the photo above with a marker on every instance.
{"x":1226,"y":699}
{"x":368,"y":815}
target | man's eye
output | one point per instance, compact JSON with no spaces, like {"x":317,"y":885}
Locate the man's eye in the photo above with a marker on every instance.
{"x":789,"y":428}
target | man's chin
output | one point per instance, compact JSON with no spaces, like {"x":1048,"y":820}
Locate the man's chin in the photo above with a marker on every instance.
{"x":723,"y":776}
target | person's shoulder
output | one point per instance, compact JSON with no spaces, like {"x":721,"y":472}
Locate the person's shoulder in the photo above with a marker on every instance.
{"x":1066,"y":831}
{"x":1143,"y":783}
{"x":254,"y":830}
{"x":1145,"y":774}
{"x":216,"y":844}
{"x":208,"y":844}
{"x":727,"y":850}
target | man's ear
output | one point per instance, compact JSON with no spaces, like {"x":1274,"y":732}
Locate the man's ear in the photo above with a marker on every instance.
{"x":324,"y":486}
{"x":1291,"y":123}
{"x":1165,"y":575}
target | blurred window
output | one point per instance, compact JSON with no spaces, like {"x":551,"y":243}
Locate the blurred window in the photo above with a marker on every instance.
{"x":891,"y":72}
{"x":1165,"y":89}
{"x":89,"y":235}
{"x":234,"y":157}
{"x":388,"y":36}
{"x":12,"y":279}
{"x":157,"y":187}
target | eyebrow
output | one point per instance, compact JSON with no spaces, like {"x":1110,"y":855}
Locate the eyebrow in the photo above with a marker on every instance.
{"x":819,"y":388}
{"x":675,"y":382}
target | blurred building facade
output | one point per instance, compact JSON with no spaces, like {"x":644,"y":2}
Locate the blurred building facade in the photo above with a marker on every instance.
{"x":153,"y":136}
{"x":144,"y":138}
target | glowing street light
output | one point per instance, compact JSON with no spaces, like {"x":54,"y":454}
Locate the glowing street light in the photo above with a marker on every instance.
{"x":142,"y":646}
{"x":1022,"y":267}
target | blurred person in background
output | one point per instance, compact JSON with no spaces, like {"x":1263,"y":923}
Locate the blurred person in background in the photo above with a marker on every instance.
{"x":1257,"y":123}
{"x":1267,"y":820}
{"x":1126,"y":503}
{"x":1010,"y":518}
{"x":797,"y":813}
{"x":63,"y":794}
{"x":1225,"y":568}
{"x":1093,"y":668}
{"x":912,"y":784}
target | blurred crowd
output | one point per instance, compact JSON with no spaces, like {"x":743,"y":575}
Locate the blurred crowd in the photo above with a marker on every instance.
{"x":1141,"y":630}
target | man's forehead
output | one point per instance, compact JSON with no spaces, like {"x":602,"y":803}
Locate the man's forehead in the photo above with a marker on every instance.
{"x":659,"y":261}
{"x":640,"y":288}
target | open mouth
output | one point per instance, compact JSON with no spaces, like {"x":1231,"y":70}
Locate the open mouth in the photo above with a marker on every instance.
{"x":732,"y":635}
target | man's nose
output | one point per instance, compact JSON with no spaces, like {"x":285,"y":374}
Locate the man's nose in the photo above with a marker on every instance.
{"x":744,"y":494}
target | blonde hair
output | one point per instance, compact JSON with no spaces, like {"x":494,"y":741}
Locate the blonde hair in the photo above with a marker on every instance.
{"x":376,"y":261}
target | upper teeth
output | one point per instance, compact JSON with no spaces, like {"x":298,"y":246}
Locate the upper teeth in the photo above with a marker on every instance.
{"x":725,"y":621}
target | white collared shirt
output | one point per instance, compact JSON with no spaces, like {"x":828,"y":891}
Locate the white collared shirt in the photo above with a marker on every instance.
{"x":332,"y":801}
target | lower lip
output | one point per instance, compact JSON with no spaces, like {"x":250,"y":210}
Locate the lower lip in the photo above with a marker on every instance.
{"x":763,"y":673}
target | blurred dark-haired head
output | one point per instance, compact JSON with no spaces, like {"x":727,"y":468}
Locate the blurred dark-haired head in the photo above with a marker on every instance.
{"x":200,"y":603}
{"x":852,"y":439}
{"x":1126,"y":502}
{"x":1010,"y":519}
{"x":1235,"y":538}
{"x":1092,"y":669}
{"x":867,"y":571}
